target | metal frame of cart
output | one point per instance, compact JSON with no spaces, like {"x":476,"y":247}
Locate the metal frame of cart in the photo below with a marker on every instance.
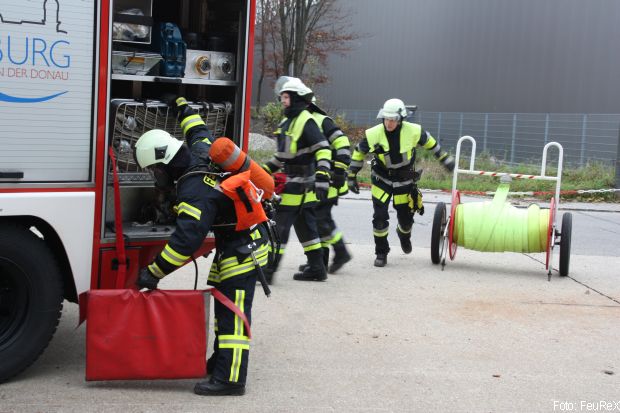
{"x":442,"y":244}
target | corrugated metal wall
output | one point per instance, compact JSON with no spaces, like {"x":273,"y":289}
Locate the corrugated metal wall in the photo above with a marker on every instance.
{"x":548,"y":56}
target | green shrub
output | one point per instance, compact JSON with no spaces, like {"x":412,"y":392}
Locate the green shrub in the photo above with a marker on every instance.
{"x":270,"y":114}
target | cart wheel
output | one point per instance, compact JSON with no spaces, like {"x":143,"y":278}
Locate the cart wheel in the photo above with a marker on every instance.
{"x":437,"y":238}
{"x":565,"y":237}
{"x":456,"y":199}
{"x":550,"y":232}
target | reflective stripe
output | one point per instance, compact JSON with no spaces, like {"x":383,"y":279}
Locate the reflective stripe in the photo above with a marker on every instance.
{"x":379,"y":194}
{"x":335,"y":135}
{"x":401,"y":230}
{"x":381,"y":233}
{"x":237,"y":352}
{"x":173,"y":257}
{"x":392,"y":183}
{"x":323,"y":154}
{"x":233,"y":341}
{"x":156,"y":271}
{"x":192,"y":211}
{"x":232,"y":158}
{"x":243,"y":268}
{"x":401,"y":199}
{"x":332,"y":238}
{"x":315,"y":244}
{"x":310,"y":242}
{"x":300,"y":179}
{"x":357,"y":164}
{"x":341,"y":165}
{"x":343,"y":152}
{"x":191,"y":121}
{"x":291,"y":199}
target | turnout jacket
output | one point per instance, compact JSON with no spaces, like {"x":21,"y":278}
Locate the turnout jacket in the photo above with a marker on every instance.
{"x":394,"y":153}
{"x":304,"y":154}
{"x":202,"y":207}
{"x":341,"y":150}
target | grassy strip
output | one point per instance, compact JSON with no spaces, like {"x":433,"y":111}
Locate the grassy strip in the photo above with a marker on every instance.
{"x":592,"y":176}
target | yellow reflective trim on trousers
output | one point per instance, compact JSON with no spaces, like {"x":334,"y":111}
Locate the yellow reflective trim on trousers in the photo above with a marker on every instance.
{"x":233,"y":341}
{"x":380,"y":232}
{"x":291,"y":199}
{"x":186,"y":208}
{"x":173,"y":257}
{"x":401,"y":199}
{"x":237,"y":352}
{"x":156,"y":271}
{"x":312,"y":247}
{"x":191,"y":121}
{"x":379,"y":193}
{"x":242,"y":269}
{"x":231,"y":261}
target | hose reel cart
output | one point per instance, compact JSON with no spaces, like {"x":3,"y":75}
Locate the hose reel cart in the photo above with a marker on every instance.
{"x":498,"y":226}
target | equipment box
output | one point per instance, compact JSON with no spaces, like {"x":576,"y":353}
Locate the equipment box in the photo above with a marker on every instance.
{"x":132,"y":21}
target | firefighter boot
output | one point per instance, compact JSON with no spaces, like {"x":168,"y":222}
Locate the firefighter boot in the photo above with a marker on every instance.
{"x":405,"y":240}
{"x":381,"y":260}
{"x":215,"y":387}
{"x":325,"y":250}
{"x":341,"y":256}
{"x":315,"y":271}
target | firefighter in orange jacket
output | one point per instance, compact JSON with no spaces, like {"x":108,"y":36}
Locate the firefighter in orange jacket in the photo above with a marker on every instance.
{"x":201,"y":207}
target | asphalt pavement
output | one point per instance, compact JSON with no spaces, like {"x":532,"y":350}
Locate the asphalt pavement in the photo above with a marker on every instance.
{"x":483,"y":335}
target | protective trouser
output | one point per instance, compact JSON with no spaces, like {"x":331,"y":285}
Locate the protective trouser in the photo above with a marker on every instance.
{"x":329,"y":233}
{"x":304,"y":220}
{"x":380,"y":218}
{"x":231,"y":349}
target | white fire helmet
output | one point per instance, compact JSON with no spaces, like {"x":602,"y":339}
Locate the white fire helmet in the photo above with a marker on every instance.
{"x":393,"y":109}
{"x":156,"y":146}
{"x":293,"y":84}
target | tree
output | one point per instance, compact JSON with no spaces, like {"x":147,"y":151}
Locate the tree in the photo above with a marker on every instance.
{"x":296,"y":37}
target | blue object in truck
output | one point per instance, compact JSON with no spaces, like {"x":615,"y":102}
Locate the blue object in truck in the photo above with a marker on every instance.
{"x":168,"y":42}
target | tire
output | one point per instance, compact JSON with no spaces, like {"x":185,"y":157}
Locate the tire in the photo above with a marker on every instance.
{"x":565,"y":241}
{"x":30,"y":298}
{"x":439,"y":225}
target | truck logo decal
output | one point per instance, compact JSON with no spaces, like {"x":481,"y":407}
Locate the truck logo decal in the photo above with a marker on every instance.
{"x":34,"y":55}
{"x":14,"y":99}
{"x":43,"y":21}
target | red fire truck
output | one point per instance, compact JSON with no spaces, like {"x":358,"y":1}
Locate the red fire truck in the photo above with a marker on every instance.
{"x":80,"y":81}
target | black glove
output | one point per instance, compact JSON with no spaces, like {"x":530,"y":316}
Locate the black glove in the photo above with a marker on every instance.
{"x":146,"y":280}
{"x":339,"y":177}
{"x":352,"y":184}
{"x":321,"y":184}
{"x":175,"y":103}
{"x":448,"y":163}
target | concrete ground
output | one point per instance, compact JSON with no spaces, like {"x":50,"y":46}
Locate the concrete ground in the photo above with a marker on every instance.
{"x":484,"y":335}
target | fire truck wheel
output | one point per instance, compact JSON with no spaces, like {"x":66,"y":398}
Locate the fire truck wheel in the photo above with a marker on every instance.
{"x":30,"y":298}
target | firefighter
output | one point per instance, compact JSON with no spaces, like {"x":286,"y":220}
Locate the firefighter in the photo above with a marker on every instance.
{"x":202,"y":206}
{"x":341,"y":158}
{"x":393,"y":144}
{"x":304,"y":154}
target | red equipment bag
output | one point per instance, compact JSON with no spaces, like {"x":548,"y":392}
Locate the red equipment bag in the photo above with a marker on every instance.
{"x":160,"y":334}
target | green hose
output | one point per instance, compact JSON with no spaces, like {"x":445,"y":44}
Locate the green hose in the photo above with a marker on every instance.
{"x":497,"y":226}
